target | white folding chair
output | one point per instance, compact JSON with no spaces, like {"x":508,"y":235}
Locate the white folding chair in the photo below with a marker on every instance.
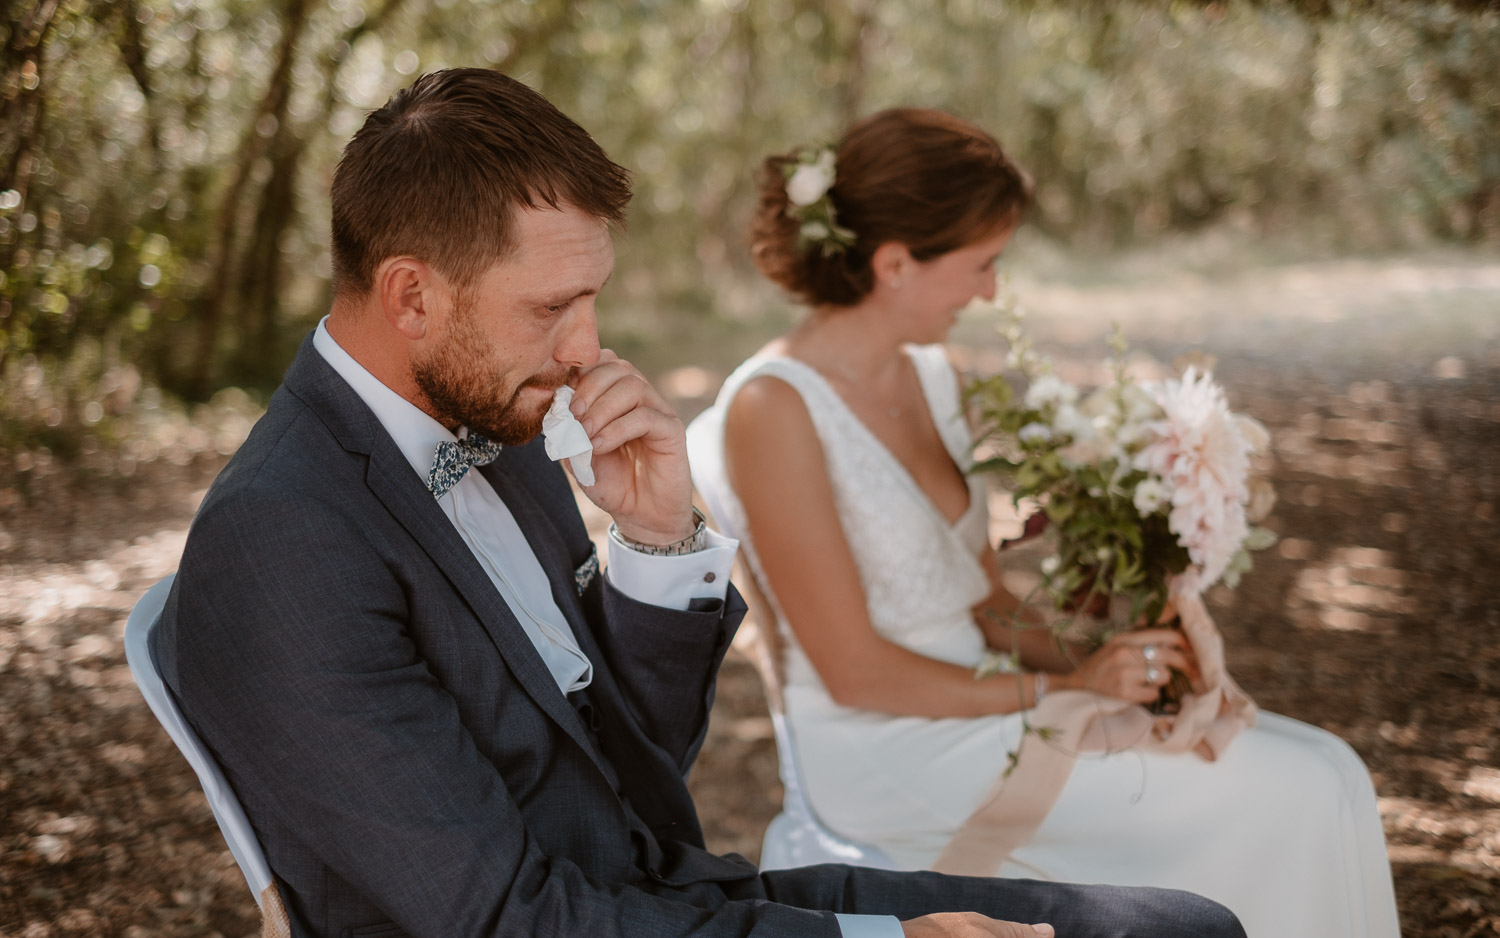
{"x":226,"y":807}
{"x":795,"y":837}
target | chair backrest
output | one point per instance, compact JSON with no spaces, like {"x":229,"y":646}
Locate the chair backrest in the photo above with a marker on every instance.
{"x":226,"y":807}
{"x":796,"y":837}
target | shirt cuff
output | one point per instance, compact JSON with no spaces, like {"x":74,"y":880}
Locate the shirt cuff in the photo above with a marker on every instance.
{"x":869,"y":926}
{"x":673,"y":582}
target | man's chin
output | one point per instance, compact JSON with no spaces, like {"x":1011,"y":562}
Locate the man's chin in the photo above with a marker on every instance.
{"x":521,"y":422}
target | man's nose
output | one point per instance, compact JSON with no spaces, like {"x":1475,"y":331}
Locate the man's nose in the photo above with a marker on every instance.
{"x":580,"y":344}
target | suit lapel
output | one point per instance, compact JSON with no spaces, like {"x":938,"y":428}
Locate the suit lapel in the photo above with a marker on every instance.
{"x":392,"y":481}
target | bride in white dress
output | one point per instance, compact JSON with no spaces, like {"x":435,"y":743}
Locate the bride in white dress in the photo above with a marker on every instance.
{"x":845,"y":447}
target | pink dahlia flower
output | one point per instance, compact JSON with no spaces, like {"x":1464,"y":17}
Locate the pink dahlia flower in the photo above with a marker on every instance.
{"x":1202,"y":455}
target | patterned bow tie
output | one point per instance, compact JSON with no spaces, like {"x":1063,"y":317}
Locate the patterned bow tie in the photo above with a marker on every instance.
{"x":454,"y":459}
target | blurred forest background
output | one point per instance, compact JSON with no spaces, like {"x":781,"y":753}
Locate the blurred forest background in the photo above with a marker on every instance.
{"x":1308,"y":190}
{"x":164,"y":163}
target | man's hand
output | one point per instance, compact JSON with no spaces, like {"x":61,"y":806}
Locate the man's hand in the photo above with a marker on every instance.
{"x":970,"y":925}
{"x":640,"y":452}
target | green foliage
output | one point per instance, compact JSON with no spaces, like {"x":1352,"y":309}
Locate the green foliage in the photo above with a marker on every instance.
{"x":164,"y":163}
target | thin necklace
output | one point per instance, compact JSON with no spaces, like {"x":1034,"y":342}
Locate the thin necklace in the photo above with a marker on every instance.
{"x":843,"y":371}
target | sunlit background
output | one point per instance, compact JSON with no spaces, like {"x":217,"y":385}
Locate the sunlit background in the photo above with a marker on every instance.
{"x":1308,"y":192}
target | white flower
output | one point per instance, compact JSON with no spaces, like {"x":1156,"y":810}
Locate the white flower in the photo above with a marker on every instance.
{"x":1050,"y":389}
{"x":814,"y":231}
{"x":1051,"y":564}
{"x":1087,"y":446}
{"x":1204,"y":460}
{"x":1034,"y":433}
{"x":809,"y":183}
{"x":1150,"y":495}
{"x":1070,"y":421}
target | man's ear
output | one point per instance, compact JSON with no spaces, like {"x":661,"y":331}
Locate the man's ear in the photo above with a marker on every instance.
{"x":407,"y":290}
{"x":890,"y":263}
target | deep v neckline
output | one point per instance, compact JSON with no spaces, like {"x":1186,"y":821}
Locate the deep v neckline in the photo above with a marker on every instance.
{"x":901,"y":470}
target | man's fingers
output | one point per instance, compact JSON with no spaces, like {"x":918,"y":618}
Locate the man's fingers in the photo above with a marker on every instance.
{"x":610,"y":390}
{"x":970,"y":925}
{"x":642,"y":422}
{"x":624,"y":394}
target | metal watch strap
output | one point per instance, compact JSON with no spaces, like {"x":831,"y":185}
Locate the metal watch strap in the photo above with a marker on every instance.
{"x":689,"y":545}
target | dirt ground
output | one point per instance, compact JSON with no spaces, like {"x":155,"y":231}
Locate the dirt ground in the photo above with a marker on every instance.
{"x":1377,"y":615}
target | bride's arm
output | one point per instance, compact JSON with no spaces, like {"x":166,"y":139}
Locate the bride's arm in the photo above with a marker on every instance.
{"x":1009,"y":624}
{"x":776,"y":466}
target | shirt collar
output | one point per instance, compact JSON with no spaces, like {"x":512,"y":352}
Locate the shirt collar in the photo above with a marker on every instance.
{"x":416,"y":434}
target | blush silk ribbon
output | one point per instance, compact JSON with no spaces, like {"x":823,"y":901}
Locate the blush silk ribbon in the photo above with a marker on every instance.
{"x":1084,"y":722}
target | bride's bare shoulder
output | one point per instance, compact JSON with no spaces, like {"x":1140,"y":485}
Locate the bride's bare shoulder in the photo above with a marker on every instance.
{"x":769,"y":437}
{"x":767,"y":415}
{"x":763,"y":403}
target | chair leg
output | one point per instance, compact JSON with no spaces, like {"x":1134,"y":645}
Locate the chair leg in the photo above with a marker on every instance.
{"x":274,"y":922}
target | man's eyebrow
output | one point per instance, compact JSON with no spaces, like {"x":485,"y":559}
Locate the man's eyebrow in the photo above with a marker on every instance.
{"x":594,"y":291}
{"x":561,"y":296}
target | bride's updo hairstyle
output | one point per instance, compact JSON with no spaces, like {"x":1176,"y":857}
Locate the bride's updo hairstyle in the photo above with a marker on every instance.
{"x":922,"y":178}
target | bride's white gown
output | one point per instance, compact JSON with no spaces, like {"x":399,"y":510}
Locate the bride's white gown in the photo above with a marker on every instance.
{"x":1283,"y":828}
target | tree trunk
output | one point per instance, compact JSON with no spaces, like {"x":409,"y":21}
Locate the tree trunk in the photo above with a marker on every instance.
{"x":212,"y":306}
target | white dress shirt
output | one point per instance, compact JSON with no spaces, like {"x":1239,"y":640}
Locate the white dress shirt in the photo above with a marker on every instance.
{"x":491,"y":532}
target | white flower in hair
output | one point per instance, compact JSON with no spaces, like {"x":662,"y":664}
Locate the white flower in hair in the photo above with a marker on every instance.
{"x":814,"y":231}
{"x":808,"y":183}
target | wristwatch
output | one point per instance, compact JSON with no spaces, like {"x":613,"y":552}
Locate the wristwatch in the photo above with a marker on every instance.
{"x":689,"y":545}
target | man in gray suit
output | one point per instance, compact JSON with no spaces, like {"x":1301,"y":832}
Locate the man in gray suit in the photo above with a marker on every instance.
{"x":389,"y":624}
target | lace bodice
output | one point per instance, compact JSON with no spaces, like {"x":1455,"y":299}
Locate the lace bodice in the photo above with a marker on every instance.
{"x":921,"y":575}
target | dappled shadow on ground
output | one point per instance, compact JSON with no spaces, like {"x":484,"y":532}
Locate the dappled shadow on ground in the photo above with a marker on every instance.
{"x":1376,"y":616}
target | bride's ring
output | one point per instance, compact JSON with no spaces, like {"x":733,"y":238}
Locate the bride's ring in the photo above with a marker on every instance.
{"x":1149,"y":652}
{"x":1153,"y":674}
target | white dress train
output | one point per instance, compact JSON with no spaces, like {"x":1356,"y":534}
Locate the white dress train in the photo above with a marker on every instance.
{"x":1283,"y":828}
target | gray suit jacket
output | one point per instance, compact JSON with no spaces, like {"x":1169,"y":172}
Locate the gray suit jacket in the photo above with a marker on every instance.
{"x":406,"y":759}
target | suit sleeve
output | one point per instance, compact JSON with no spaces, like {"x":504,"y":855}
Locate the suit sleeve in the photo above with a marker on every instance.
{"x":289,"y":651}
{"x":667,"y":662}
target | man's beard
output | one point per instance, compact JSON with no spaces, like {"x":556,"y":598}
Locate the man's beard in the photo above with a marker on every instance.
{"x":461,"y":392}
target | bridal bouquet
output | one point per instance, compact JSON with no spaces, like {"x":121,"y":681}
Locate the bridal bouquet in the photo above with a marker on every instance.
{"x":1147,"y":485}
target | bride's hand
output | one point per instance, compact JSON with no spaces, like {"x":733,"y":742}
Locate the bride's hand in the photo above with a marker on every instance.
{"x":970,"y":925}
{"x":1133,"y":666}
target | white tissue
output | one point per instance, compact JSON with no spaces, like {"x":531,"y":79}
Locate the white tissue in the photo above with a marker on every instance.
{"x":565,"y":439}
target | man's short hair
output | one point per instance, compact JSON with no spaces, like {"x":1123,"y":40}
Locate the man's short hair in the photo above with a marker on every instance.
{"x":439,"y":171}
